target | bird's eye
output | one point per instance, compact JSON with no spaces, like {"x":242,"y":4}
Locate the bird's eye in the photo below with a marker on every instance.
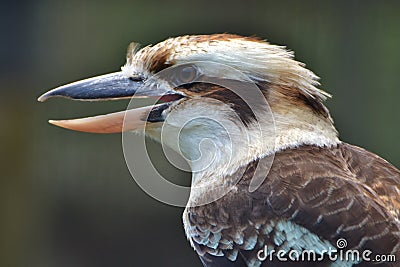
{"x":187,"y":74}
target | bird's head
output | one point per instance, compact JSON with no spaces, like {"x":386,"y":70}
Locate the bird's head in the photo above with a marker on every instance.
{"x":224,"y":88}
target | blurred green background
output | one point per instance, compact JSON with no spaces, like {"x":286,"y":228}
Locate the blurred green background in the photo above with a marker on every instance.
{"x":67,"y":199}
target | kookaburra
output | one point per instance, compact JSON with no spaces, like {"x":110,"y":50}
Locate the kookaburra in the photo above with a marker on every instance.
{"x":317,"y":189}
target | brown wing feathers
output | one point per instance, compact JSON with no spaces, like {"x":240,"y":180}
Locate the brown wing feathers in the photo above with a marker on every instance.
{"x":323,"y":190}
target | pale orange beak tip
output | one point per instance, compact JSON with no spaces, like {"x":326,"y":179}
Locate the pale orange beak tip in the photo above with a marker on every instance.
{"x":129,"y":120}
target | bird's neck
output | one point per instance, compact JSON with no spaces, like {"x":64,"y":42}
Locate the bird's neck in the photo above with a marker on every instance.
{"x":216,"y":158}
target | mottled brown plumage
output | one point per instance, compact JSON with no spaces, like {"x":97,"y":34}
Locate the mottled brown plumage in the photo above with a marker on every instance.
{"x":341,"y":192}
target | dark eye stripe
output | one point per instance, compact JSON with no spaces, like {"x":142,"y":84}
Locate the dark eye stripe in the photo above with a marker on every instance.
{"x":222,"y":94}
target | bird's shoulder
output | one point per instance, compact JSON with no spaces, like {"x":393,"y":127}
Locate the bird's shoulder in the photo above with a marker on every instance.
{"x":310,"y":198}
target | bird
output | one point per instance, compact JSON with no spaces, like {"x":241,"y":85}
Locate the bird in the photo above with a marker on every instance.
{"x":277,"y":180}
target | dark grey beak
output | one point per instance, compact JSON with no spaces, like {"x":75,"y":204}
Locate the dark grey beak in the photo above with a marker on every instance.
{"x":109,"y":86}
{"x":113,"y":86}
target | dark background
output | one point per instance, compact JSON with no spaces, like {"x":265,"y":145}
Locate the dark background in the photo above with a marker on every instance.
{"x":67,"y":198}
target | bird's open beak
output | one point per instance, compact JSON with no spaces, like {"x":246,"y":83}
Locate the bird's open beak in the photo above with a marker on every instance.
{"x":110,"y":87}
